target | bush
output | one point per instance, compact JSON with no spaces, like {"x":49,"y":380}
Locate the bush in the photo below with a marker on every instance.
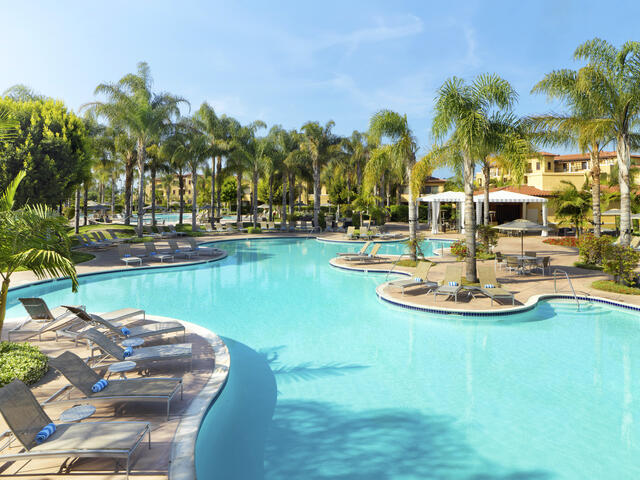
{"x":69,"y":212}
{"x":621,"y":262}
{"x":611,"y":286}
{"x":459,"y":249}
{"x":378,"y":215}
{"x":593,"y":249}
{"x":355,"y":221}
{"x":487,"y":235}
{"x":399,"y":213}
{"x":321,"y":220}
{"x":588,"y":266}
{"x":22,"y":361}
{"x":254,"y":230}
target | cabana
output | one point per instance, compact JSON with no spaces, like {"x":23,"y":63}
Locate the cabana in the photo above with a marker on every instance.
{"x":495,"y":197}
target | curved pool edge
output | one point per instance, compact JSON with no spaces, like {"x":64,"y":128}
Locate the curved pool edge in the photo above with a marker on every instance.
{"x":348,"y":242}
{"x":182,"y":462}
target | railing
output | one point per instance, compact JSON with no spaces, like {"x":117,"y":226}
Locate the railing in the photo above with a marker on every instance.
{"x":555,"y":284}
{"x":405,"y":252}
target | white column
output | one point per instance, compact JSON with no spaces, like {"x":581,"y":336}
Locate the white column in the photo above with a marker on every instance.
{"x":545,"y":221}
{"x":524,"y":210}
{"x":478,"y":206}
{"x":434,"y":220}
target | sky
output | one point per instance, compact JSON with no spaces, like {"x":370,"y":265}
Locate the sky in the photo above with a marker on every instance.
{"x":286,"y":62}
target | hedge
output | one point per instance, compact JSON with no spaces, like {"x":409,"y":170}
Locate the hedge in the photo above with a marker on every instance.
{"x":22,"y":361}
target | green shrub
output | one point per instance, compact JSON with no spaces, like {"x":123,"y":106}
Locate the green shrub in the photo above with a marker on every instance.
{"x":611,"y":286}
{"x":588,"y":266}
{"x":593,"y":249}
{"x":459,"y":249}
{"x":355,"y":221}
{"x":22,"y":361}
{"x":487,"y":235}
{"x":621,"y":262}
{"x":399,"y":213}
{"x":321,"y":220}
{"x":254,"y":230}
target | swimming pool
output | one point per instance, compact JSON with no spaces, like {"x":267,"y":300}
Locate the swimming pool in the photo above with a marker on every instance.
{"x":326,"y":381}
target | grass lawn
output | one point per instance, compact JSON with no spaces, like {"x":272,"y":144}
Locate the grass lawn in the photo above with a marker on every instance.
{"x":588,"y":266}
{"x":611,"y":286}
{"x":77,"y":257}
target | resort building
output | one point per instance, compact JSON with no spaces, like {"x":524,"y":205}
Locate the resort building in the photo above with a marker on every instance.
{"x":174,"y":190}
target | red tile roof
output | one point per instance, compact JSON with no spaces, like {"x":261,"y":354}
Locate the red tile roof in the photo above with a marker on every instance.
{"x":523,"y":189}
{"x":585,"y":156}
{"x":434,"y":180}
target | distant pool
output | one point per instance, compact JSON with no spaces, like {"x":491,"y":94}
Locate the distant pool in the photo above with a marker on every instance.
{"x":173,"y":217}
{"x":326,"y":381}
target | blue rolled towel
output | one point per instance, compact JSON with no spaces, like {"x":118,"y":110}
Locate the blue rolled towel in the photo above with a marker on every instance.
{"x":489,"y":285}
{"x":128,"y":352}
{"x":453,"y":284}
{"x":99,"y":385}
{"x":125,"y":331}
{"x":45,"y":433}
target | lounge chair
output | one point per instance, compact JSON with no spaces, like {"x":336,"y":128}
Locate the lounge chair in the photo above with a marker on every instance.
{"x":86,"y":242}
{"x":452,"y":283}
{"x":153,"y":253}
{"x":25,"y":418}
{"x":351,"y":233}
{"x":490,"y":286}
{"x":141,"y":331}
{"x":367,"y":258}
{"x":148,"y":231}
{"x":199,"y":249}
{"x":82,"y":377}
{"x":76,"y":329}
{"x":165,"y":232}
{"x":418,"y":278}
{"x":364,"y":231}
{"x":124,"y":249}
{"x":173,"y":230}
{"x":635,"y":243}
{"x":41,"y":320}
{"x":358,"y":253}
{"x":174,"y":249}
{"x":114,"y":236}
{"x":140,"y":355}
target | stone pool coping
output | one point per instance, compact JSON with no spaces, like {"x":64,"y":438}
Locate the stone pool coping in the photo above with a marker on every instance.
{"x":530,"y":304}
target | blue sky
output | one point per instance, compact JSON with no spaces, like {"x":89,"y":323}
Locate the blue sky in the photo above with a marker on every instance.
{"x":290,"y":62}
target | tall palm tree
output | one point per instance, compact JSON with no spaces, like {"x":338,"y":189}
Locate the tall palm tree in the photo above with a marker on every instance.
{"x":395,"y":127}
{"x":571,"y":204}
{"x":33,"y":238}
{"x":126,"y":149}
{"x":321,"y":144}
{"x":199,"y":150}
{"x":357,"y":149}
{"x":144,"y":114}
{"x":581,"y":126}
{"x":463,"y":111}
{"x":611,"y":81}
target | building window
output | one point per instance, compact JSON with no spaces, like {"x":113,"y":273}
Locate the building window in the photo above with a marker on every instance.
{"x":548,"y":165}
{"x":584,"y":165}
{"x":537,"y":165}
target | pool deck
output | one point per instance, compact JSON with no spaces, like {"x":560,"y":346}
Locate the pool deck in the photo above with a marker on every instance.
{"x":524,"y":287}
{"x":173,"y":441}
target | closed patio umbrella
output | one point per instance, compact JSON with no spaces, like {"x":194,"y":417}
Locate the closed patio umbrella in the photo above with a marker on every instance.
{"x":522,"y":225}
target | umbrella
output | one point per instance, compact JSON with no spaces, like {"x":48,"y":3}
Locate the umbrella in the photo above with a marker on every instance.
{"x":300,"y":204}
{"x":91,"y":205}
{"x":614,"y":211}
{"x":521,"y":225}
{"x":264,"y":206}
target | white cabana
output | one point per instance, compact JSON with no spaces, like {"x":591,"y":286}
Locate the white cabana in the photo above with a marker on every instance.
{"x":497,"y":196}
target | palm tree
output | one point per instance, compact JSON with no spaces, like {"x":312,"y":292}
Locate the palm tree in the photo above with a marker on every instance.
{"x":33,"y":238}
{"x":7,"y":125}
{"x":581,"y":126}
{"x":611,"y":82}
{"x":464,"y":111}
{"x":572,"y":204}
{"x":395,"y":127}
{"x":357,"y":149}
{"x":199,"y":150}
{"x":321,"y":145}
{"x":144,"y":114}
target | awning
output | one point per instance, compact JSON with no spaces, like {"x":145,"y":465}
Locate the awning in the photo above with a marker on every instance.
{"x":443,"y":197}
{"x":505,"y":196}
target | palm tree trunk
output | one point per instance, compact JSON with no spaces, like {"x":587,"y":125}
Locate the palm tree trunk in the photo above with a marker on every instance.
{"x":398,"y":193}
{"x":292,"y":190}
{"x":181,"y":189}
{"x":219,"y":181}
{"x":469,"y":218}
{"x":413,"y":237}
{"x":77,"y":210}
{"x":213,"y":189}
{"x":284,"y":198}
{"x":113,"y":196}
{"x":140,"y":185}
{"x":595,"y":190}
{"x":348,"y":189}
{"x":624,"y":165}
{"x":271,"y":197}
{"x":485,"y":173}
{"x":254,"y":198}
{"x":316,"y":194}
{"x":153,"y":196}
{"x":4,"y":290}
{"x":85,"y":209}
{"x":128,"y":180}
{"x":239,"y":198}
{"x":194,"y":198}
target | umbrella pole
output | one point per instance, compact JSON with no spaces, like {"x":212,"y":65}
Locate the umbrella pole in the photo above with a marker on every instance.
{"x":522,"y":243}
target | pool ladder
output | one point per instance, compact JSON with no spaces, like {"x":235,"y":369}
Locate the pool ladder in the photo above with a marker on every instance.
{"x":405,"y":252}
{"x":555,"y":284}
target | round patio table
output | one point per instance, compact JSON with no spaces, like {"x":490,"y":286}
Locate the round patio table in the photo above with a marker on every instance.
{"x":77,"y":413}
{"x":121,"y":368}
{"x":132,"y":342}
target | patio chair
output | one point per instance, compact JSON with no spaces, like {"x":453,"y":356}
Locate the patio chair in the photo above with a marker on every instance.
{"x":177,"y":251}
{"x":141,"y":331}
{"x":513,"y":264}
{"x":358,"y":253}
{"x":530,"y":253}
{"x":264,"y":226}
{"x":451,"y":284}
{"x":124,"y":249}
{"x":41,"y":320}
{"x":367,"y":258}
{"x":25,"y":418}
{"x":153,"y":253}
{"x":418,"y":278}
{"x":543,"y":264}
{"x":490,"y":286}
{"x":82,"y":377}
{"x":500,"y":261}
{"x":199,"y":249}
{"x":156,"y":353}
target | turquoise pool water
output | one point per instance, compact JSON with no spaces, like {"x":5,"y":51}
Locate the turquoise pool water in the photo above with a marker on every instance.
{"x":327,"y":382}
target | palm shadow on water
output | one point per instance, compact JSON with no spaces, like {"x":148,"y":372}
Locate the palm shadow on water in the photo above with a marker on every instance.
{"x":248,"y":436}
